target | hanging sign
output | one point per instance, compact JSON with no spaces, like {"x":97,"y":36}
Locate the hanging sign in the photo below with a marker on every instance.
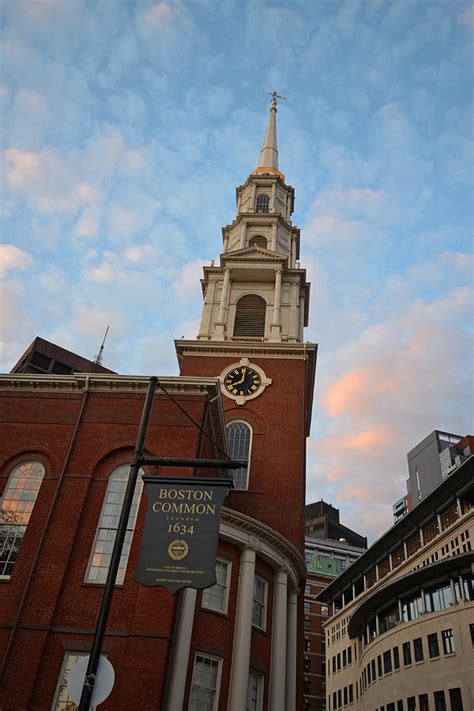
{"x":179,"y":543}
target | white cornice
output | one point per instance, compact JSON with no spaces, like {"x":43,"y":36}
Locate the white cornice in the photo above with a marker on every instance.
{"x":264,"y":349}
{"x":94,"y":382}
{"x":243,"y":530}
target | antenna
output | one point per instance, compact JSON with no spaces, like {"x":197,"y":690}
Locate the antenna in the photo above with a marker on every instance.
{"x":98,"y":357}
{"x":276,"y":96}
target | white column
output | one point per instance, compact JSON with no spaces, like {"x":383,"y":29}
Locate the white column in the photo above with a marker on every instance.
{"x":221,"y":317}
{"x":243,"y":234}
{"x":242,"y":633}
{"x":224,"y":297}
{"x":179,"y":657}
{"x":276,"y":321}
{"x":239,"y":201}
{"x":278,"y":663}
{"x":291,"y":643}
{"x":226,"y":242}
{"x":293,"y":252}
{"x":273,"y":206}
{"x":207,"y":310}
{"x":294,"y":322}
{"x":253,"y":193}
{"x":301,"y":315}
{"x":274,"y":237}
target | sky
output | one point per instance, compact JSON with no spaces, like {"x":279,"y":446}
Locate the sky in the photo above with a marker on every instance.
{"x":127,"y":125}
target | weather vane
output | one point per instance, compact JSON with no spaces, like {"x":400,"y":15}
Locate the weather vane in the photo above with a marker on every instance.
{"x":276,"y":96}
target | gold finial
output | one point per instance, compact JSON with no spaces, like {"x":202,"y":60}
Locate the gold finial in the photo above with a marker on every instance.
{"x":276,"y":96}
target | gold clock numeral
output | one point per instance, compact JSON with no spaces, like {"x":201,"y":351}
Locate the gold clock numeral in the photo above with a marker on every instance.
{"x":235,"y":391}
{"x":236,"y":372}
{"x":254,"y":387}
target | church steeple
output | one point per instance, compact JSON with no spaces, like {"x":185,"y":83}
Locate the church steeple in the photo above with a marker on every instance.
{"x":269,"y":152}
{"x":258,"y":292}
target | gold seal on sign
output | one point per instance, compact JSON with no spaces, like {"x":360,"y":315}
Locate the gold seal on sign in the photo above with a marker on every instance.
{"x":178,"y":549}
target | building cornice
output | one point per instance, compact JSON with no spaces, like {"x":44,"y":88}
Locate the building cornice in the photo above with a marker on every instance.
{"x":263,"y":349}
{"x":103,"y":383}
{"x":269,"y":544}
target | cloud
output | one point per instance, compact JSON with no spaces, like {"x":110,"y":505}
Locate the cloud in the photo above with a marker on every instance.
{"x":12,"y":257}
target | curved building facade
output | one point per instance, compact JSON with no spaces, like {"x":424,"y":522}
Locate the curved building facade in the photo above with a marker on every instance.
{"x":402,"y":634}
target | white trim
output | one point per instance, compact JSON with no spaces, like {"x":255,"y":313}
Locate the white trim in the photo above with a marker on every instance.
{"x":262,"y":627}
{"x":68,"y":653}
{"x":225,"y":602}
{"x":247,"y":424}
{"x":213,"y":658}
{"x":242,"y":399}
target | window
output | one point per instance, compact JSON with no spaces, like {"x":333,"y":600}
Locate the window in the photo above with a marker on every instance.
{"x":411,"y":703}
{"x":345,"y":696}
{"x":239,"y":438}
{"x":255,"y":691}
{"x":430,"y":531}
{"x":307,"y":665}
{"x":433,"y":645}
{"x":250,"y":316}
{"x":344,"y":658}
{"x":307,"y":687}
{"x":260,"y":587}
{"x":418,"y":649}
{"x":215,"y":597}
{"x":16,"y":506}
{"x":423,"y":701}
{"x":101,"y":553}
{"x":448,"y":641}
{"x":205,"y":684}
{"x":387,"y":662}
{"x":438,"y":598}
{"x":338,"y":661}
{"x":406,"y":653}
{"x":391,"y":706}
{"x":400,"y":705}
{"x":258,"y":241}
{"x":307,"y":647}
{"x":455,"y":699}
{"x":471,"y":630}
{"x":263,"y":202}
{"x":379,"y":665}
{"x":396,"y":658}
{"x":62,"y":700}
{"x":374,"y":673}
{"x":411,"y":608}
{"x":307,"y":607}
{"x":351,"y":693}
{"x":349,"y":655}
{"x":440,"y":701}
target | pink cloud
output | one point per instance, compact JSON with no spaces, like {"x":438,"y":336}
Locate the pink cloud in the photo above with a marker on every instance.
{"x":12,"y":257}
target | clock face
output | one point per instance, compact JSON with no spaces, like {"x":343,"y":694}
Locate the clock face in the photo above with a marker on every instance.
{"x":242,"y":381}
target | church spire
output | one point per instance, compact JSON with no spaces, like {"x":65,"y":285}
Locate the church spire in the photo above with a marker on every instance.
{"x":268,"y":161}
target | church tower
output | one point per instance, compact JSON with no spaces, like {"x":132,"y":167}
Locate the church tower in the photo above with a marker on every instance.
{"x":251,"y":336}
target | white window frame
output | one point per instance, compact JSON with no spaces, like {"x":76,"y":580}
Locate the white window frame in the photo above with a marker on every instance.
{"x":259,"y":687}
{"x":16,"y":507}
{"x":62,"y":680}
{"x":99,"y":540}
{"x":217,"y":689}
{"x":260,"y":604}
{"x":206,"y":601}
{"x":237,"y":456}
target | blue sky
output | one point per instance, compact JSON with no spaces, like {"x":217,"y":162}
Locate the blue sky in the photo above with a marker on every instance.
{"x":126,"y":127}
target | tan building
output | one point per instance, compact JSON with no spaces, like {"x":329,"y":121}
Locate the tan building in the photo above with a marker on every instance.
{"x":401,"y":637}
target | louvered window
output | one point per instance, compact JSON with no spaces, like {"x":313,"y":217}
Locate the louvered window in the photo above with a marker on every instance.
{"x":258,"y":241}
{"x":262,"y":203}
{"x":250,"y":316}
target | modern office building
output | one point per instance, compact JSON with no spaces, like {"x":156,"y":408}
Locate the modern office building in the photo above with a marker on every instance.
{"x":431,"y":461}
{"x":401,"y":636}
{"x":65,"y":444}
{"x":44,"y":357}
{"x":326,"y":558}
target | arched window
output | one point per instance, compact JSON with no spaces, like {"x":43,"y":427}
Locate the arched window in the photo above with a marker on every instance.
{"x":258,"y":241}
{"x":239,"y":438}
{"x":15,"y":511}
{"x":250,"y":316}
{"x":262,"y":203}
{"x":101,"y":553}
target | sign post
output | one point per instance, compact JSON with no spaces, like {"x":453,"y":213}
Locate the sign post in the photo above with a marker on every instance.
{"x":176,"y":549}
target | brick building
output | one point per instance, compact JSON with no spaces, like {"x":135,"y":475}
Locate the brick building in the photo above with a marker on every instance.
{"x":65,"y":442}
{"x":330,"y":548}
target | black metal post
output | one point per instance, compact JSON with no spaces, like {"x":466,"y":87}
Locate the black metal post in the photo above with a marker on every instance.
{"x":91,"y":672}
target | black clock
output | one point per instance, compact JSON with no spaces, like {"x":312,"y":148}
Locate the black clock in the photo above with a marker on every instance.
{"x":242,"y":380}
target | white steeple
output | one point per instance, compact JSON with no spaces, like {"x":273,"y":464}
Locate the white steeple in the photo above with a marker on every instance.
{"x":269,"y":152}
{"x":258,"y":292}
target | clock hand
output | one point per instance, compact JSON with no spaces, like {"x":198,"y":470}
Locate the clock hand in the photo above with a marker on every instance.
{"x":243,"y":377}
